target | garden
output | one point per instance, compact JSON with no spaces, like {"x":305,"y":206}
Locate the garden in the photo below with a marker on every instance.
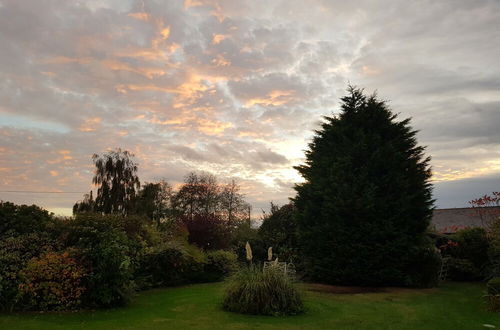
{"x":354,"y":249}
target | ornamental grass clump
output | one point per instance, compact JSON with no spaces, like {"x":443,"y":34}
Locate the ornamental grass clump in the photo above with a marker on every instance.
{"x":262,"y":292}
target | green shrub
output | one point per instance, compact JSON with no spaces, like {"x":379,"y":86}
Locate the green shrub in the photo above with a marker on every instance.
{"x":462,"y":270}
{"x":172,"y":263}
{"x":15,"y":253}
{"x":106,"y":250}
{"x":219,"y":264}
{"x":269,"y":292}
{"x":493,"y":296}
{"x":426,"y":267}
{"x":279,"y":230}
{"x":52,"y":282}
{"x":493,"y":286}
{"x":22,"y":219}
{"x":472,"y":245}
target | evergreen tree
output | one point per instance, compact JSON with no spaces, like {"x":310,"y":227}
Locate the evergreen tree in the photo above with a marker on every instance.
{"x":366,"y":202}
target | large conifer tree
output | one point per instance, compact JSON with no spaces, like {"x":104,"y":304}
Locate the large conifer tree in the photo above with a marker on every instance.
{"x":366,"y":201}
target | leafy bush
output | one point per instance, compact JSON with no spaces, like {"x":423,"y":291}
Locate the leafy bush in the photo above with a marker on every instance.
{"x":22,"y":219}
{"x":105,"y":249}
{"x":208,"y":231}
{"x":278,"y":230}
{"x":493,"y":296}
{"x":493,"y":285}
{"x":171,"y":263}
{"x":245,"y":233}
{"x":52,"y":282}
{"x":463,"y":270}
{"x":219,"y":264}
{"x":268,"y":292}
{"x":426,"y":266}
{"x":15,"y":253}
{"x":472,"y":245}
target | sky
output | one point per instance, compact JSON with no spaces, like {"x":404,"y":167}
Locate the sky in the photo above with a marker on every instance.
{"x":237,"y":88}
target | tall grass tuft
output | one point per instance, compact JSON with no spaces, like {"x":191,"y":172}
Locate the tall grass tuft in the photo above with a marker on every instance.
{"x":262,"y":292}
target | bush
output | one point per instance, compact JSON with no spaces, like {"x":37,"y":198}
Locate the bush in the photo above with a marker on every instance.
{"x":172,"y":263}
{"x":245,"y":233}
{"x":15,"y":253}
{"x":425,"y":273}
{"x":208,"y":231}
{"x":269,"y":292}
{"x":493,"y":296}
{"x":462,"y":270}
{"x":472,"y":245}
{"x":493,"y":286}
{"x":52,"y":282}
{"x":278,"y":230}
{"x":22,"y":219}
{"x":219,"y":264}
{"x":105,"y":249}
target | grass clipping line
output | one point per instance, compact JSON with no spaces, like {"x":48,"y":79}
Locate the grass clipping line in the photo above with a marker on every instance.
{"x":262,"y":292}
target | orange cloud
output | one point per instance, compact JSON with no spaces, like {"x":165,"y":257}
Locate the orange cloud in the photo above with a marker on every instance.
{"x":276,"y":97}
{"x":140,"y":16}
{"x":221,"y":61}
{"x":90,"y":124}
{"x":217,"y":38}
{"x":369,"y":70}
{"x":192,"y":3}
{"x":54,"y":173}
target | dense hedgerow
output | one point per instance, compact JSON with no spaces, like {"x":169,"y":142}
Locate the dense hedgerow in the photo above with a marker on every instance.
{"x":262,"y":292}
{"x":93,"y":260}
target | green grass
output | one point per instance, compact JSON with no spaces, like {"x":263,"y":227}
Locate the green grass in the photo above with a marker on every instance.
{"x":452,"y":306}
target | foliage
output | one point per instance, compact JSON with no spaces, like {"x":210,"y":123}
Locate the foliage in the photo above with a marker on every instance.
{"x":366,"y":200}
{"x":171,"y":263}
{"x":278,"y":230}
{"x":245,"y":233}
{"x":269,"y":292}
{"x":219,"y":264}
{"x":201,"y":194}
{"x":468,"y":249}
{"x":154,"y":201}
{"x":52,"y":281}
{"x":486,"y":207}
{"x":493,"y":286}
{"x":424,"y":271}
{"x":116,"y":181}
{"x":493,"y":296}
{"x":463,"y":270}
{"x":494,"y":249}
{"x":22,"y":219}
{"x":208,"y":231}
{"x":15,"y":253}
{"x":106,"y":251}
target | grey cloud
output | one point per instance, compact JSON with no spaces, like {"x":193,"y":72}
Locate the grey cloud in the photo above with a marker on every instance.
{"x":182,"y":102}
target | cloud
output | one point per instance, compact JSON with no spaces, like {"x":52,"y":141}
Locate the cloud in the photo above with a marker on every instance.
{"x":235,"y":87}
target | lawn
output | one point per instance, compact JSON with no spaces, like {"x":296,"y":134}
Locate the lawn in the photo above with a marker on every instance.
{"x":452,"y":306}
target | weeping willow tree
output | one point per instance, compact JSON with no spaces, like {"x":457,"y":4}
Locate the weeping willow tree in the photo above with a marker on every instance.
{"x":116,"y":181}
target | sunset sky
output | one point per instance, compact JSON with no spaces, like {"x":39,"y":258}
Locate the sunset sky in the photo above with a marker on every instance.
{"x":236,"y":88}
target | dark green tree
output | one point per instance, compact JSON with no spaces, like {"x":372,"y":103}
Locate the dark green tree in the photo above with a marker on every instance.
{"x":154,"y":201}
{"x":116,"y":180}
{"x":279,"y":231}
{"x":366,"y":202}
